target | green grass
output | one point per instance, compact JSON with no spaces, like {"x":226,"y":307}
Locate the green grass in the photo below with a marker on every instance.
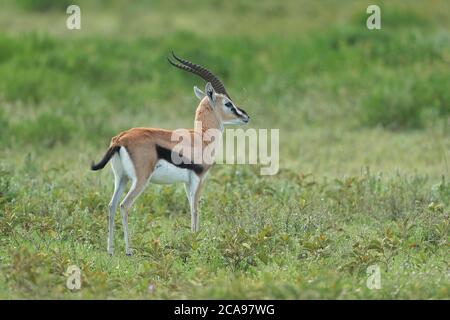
{"x":364,"y":146}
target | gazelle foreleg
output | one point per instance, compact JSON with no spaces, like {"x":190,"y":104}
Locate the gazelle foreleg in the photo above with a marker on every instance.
{"x":193,"y":188}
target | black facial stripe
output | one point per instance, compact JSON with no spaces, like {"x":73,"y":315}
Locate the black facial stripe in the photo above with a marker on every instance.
{"x":166,"y":154}
{"x":235,"y":111}
{"x":243,"y":112}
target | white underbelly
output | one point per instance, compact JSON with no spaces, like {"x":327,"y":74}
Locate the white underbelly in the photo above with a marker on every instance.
{"x":167,"y":173}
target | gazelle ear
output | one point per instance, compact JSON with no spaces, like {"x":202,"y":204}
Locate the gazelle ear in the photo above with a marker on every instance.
{"x":199,"y":93}
{"x":210,"y":93}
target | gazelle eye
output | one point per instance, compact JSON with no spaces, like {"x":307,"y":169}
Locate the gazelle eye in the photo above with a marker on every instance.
{"x":229,"y":104}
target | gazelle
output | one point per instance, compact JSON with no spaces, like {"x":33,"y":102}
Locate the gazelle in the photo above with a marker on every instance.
{"x":145,"y":155}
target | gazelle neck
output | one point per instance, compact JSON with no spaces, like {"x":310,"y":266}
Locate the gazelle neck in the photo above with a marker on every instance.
{"x":206,"y":118}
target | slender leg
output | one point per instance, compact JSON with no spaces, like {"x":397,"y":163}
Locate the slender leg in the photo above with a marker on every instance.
{"x":119,"y":186}
{"x":193,"y":193}
{"x":135,"y":190}
{"x":187,"y":190}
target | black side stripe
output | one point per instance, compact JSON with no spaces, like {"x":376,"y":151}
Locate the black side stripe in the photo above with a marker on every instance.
{"x":166,"y":154}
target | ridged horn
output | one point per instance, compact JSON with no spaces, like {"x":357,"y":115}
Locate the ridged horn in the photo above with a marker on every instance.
{"x":200,"y":71}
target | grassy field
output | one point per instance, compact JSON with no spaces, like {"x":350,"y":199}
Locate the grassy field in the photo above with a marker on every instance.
{"x":364,"y":119}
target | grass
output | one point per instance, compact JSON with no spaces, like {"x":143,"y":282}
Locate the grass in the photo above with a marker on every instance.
{"x":364,"y":146}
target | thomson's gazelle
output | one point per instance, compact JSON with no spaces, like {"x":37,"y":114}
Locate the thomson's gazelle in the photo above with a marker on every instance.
{"x":146,"y":154}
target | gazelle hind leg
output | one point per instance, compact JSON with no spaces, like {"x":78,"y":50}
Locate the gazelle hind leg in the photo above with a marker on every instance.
{"x":136,"y":188}
{"x":119,"y":186}
{"x":138,"y":182}
{"x":120,"y":180}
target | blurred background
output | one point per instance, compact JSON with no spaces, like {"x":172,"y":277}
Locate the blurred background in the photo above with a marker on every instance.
{"x":364,"y":119}
{"x":344,"y":97}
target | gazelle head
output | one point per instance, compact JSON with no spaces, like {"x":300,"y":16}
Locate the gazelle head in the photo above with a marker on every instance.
{"x":218,"y":98}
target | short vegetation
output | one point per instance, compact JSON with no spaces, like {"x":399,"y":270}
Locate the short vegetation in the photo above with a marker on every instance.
{"x":364,"y":149}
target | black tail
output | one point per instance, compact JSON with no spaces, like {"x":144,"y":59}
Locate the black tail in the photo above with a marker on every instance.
{"x":109,"y":153}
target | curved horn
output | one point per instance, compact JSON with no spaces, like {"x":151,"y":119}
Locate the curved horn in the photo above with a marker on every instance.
{"x":202,"y":72}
